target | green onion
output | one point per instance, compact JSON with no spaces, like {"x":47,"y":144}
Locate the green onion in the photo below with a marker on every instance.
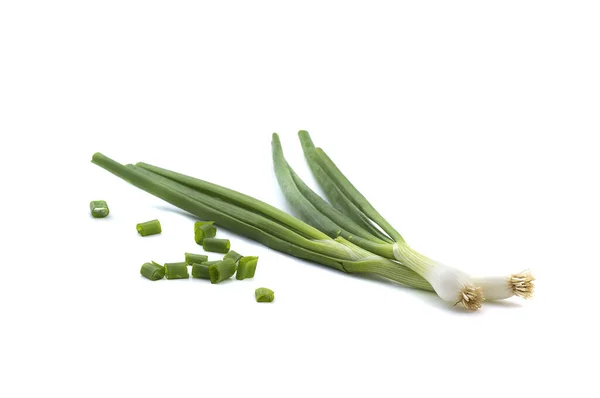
{"x":235,"y":256}
{"x":264,"y":295}
{"x":204,"y":230}
{"x":221,"y":271}
{"x":176,"y":271}
{"x":259,"y":221}
{"x":191,"y":258}
{"x":99,"y":208}
{"x":209,"y":263}
{"x":149,"y":228}
{"x":201,"y":271}
{"x":246,"y":267}
{"x":216,"y":245}
{"x":152,"y":271}
{"x":502,"y":287}
{"x":449,"y":283}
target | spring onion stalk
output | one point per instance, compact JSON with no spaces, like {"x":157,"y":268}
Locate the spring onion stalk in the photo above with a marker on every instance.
{"x":191,"y":258}
{"x":451,"y":284}
{"x":246,"y":267}
{"x":233,"y":255}
{"x":216,"y":245}
{"x":152,"y":271}
{"x":99,"y":208}
{"x":176,"y":271}
{"x":325,"y":245}
{"x":503,"y":287}
{"x":217,"y":206}
{"x":221,"y":271}
{"x":149,"y":228}
{"x":312,"y":208}
{"x":264,"y":295}
{"x":332,"y":192}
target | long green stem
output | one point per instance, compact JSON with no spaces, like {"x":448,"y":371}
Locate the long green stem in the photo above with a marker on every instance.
{"x":238,"y":199}
{"x":366,"y":263}
{"x":332,"y":192}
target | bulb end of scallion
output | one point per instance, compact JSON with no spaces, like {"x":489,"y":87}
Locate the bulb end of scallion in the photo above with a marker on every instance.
{"x":471,"y":297}
{"x":522,"y":284}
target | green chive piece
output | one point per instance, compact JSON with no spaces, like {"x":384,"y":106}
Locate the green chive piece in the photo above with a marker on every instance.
{"x":176,"y":271}
{"x":153,"y":271}
{"x":216,"y":245}
{"x":235,"y":256}
{"x":246,"y":267}
{"x":191,"y":258}
{"x":99,"y":208}
{"x":209,"y":263}
{"x":203,"y":231}
{"x":264,"y":295}
{"x":221,"y":271}
{"x":149,"y":228}
{"x":200,"y":271}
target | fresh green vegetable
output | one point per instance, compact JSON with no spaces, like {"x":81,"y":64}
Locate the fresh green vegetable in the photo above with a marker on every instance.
{"x":235,"y":256}
{"x":264,"y":295}
{"x":246,"y":267}
{"x":209,"y":263}
{"x":259,"y":221}
{"x":176,"y":271}
{"x":216,"y":245}
{"x":153,"y":271}
{"x":449,"y":283}
{"x":191,"y":258}
{"x":204,"y":230}
{"x":149,"y":228}
{"x":200,"y":271}
{"x":99,"y":208}
{"x":221,"y":271}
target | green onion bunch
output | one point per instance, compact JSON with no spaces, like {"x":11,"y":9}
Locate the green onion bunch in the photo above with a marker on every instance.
{"x":345,"y":232}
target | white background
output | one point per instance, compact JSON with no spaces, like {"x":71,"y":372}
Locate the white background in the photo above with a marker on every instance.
{"x":470,"y":125}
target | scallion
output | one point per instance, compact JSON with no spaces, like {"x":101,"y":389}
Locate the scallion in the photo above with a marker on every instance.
{"x":221,"y":271}
{"x":191,"y":258}
{"x":99,"y":208}
{"x":152,"y":271}
{"x":149,"y":228}
{"x":264,"y":295}
{"x":216,"y":245}
{"x":246,"y":267}
{"x":176,"y":271}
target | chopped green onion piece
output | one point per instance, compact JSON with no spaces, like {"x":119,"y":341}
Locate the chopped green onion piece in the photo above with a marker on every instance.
{"x":235,"y":256}
{"x":216,"y":245}
{"x":200,"y":271}
{"x":191,"y":258}
{"x":176,"y":271}
{"x":153,"y":271}
{"x":149,"y":228}
{"x":209,"y":263}
{"x":221,"y":271}
{"x":204,"y":231}
{"x":246,"y":267}
{"x":198,"y":224}
{"x":99,"y":208}
{"x":264,"y":295}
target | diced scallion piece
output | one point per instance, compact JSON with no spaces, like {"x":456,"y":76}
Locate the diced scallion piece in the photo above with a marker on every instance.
{"x":246,"y":267}
{"x":209,"y":263}
{"x":235,"y":256}
{"x":149,"y":228}
{"x":203,"y":230}
{"x":200,"y":271}
{"x":191,"y":258}
{"x":176,"y":271}
{"x":216,"y":245}
{"x":264,"y":295}
{"x":99,"y":208}
{"x":153,"y":271}
{"x":221,"y":271}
